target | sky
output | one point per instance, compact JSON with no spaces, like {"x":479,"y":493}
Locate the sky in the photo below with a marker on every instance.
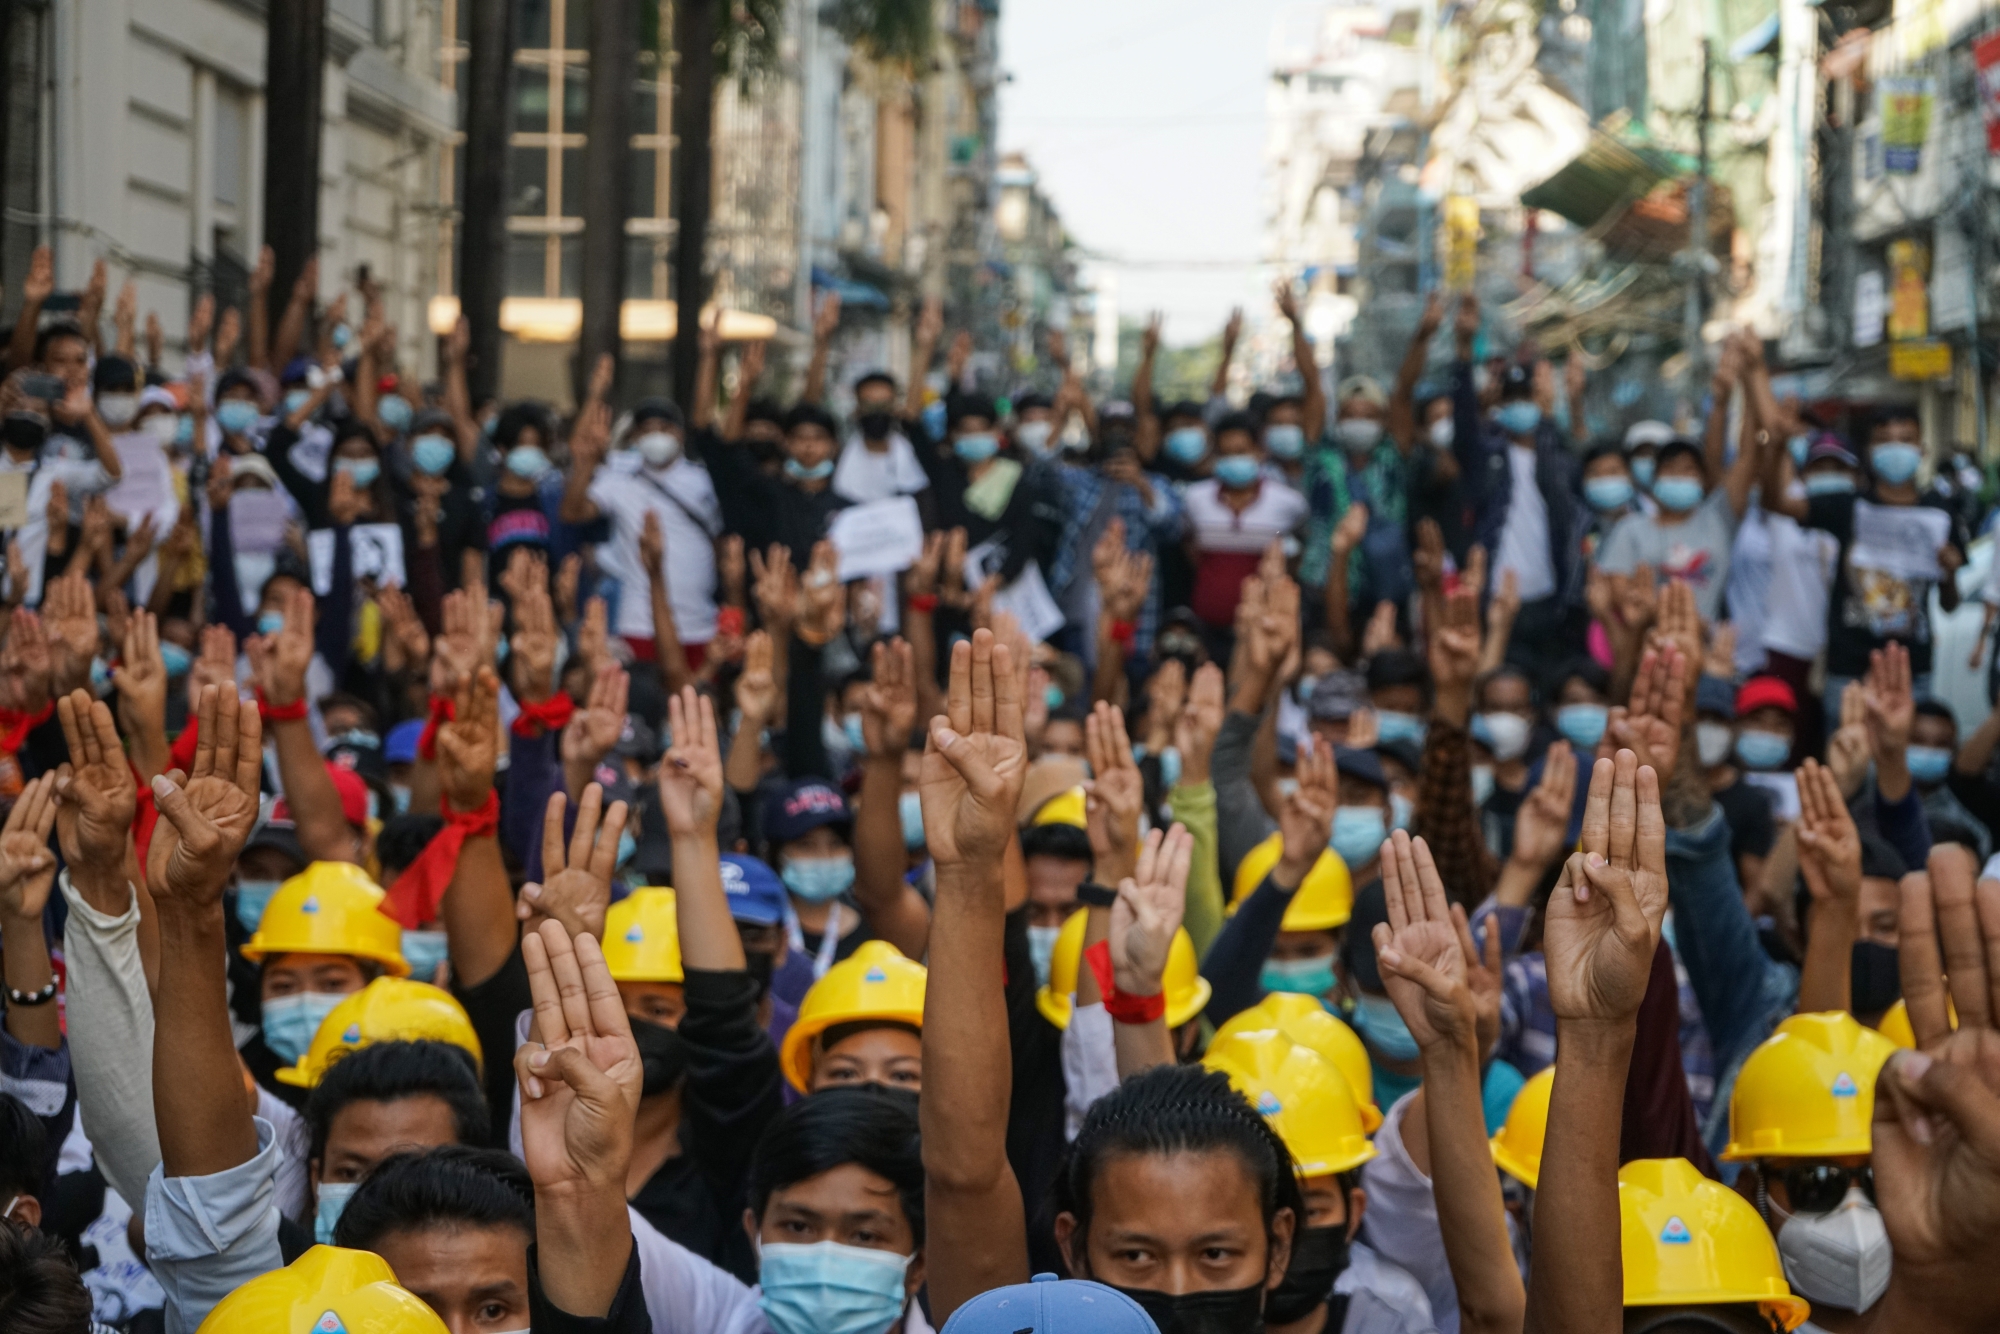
{"x":1145,"y":122}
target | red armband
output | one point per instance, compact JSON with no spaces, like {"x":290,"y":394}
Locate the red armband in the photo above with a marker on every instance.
{"x":16,"y":724}
{"x":923,"y":602}
{"x":280,"y":713}
{"x":1123,"y":1008}
{"x":442,"y":711}
{"x":550,"y":715}
{"x":414,"y":898}
{"x":1122,"y":632}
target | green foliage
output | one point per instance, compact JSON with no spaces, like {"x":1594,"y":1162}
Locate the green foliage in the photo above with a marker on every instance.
{"x":892,"y":31}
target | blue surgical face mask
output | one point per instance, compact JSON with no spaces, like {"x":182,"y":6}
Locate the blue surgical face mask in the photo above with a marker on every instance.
{"x":1829,"y":484}
{"x":236,"y":415}
{"x":1401,"y":811}
{"x":627,"y":846}
{"x":424,"y":951}
{"x":1170,"y":766}
{"x":1358,"y":832}
{"x":1482,"y":783}
{"x":1928,"y":764}
{"x":333,"y":1198}
{"x":1679,"y":494}
{"x":177,"y":659}
{"x":819,"y":879}
{"x":1519,"y":417}
{"x":342,"y":335}
{"x":527,"y":461}
{"x":1393,"y":726}
{"x":251,"y":896}
{"x":1761,"y":750}
{"x":395,"y":412}
{"x":1607,"y":493}
{"x":399,"y":797}
{"x":1798,"y":445}
{"x":1236,"y":471}
{"x":270,"y":622}
{"x":1375,"y":1019}
{"x":828,"y":1288}
{"x":432,"y":453}
{"x":976,"y":446}
{"x":1582,"y":724}
{"x":1642,"y":469}
{"x":934,"y":419}
{"x":1186,"y":444}
{"x":296,"y":399}
{"x":910,"y":810}
{"x":1042,"y":949}
{"x":1895,"y":463}
{"x":290,"y":1021}
{"x":1284,"y":440}
{"x":184,"y":431}
{"x":1300,"y":977}
{"x":799,"y":472}
{"x":362,"y":472}
{"x":851,"y":733}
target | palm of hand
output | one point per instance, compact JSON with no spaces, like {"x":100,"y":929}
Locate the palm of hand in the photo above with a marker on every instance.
{"x":466,"y":755}
{"x":1139,"y":935}
{"x":1655,"y":742}
{"x":756,"y":693}
{"x":1540,"y":834}
{"x":563,"y":1137}
{"x":105,"y":802}
{"x":1429,"y":1017}
{"x":1122,"y":791}
{"x":24,"y":892}
{"x":285,"y":666}
{"x":194,"y":872}
{"x":691,"y":796}
{"x":1945,"y":1205}
{"x":960,"y":826}
{"x":1595,"y":969}
{"x":1455,"y":655}
{"x":888,"y":717}
{"x":577,"y":899}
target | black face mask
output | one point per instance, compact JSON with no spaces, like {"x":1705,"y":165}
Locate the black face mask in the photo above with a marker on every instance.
{"x":764,"y":449}
{"x":25,"y":433}
{"x":1876,"y":980}
{"x":758,"y":964}
{"x":1319,"y":1254}
{"x":876,"y":425}
{"x":663,"y":1055}
{"x":1229,"y":1311}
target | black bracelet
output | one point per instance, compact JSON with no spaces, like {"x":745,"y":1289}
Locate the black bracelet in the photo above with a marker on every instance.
{"x":30,"y":999}
{"x":1093,"y":895}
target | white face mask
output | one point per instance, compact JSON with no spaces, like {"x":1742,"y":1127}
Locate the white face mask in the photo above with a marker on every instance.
{"x":1482,"y":783}
{"x":117,"y":410}
{"x":1712,"y":742}
{"x":1505,"y":734}
{"x":162,"y":426}
{"x":658,"y":448}
{"x":1839,"y":1258}
{"x":1443,"y":432}
{"x":1358,"y":433}
{"x":1033,"y":436}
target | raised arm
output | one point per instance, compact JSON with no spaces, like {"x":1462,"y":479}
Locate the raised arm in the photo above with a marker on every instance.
{"x":1143,"y":922}
{"x":257,"y":346}
{"x":1146,"y":422}
{"x":588,"y":442}
{"x":749,"y":370}
{"x":707,"y":373}
{"x":1403,"y":397}
{"x":476,"y":908}
{"x":457,"y":394}
{"x":1830,"y":860}
{"x":893,"y":908}
{"x":691,"y":800}
{"x":923,"y":347}
{"x":278,"y":665}
{"x":27,"y":874}
{"x":825,"y":321}
{"x":1218,"y":384}
{"x":1312,"y":392}
{"x":292,"y":325}
{"x":667,"y":648}
{"x":974,"y":763}
{"x":36,"y":287}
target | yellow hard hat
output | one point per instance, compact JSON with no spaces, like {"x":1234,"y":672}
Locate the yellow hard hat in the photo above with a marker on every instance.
{"x":1517,"y":1149}
{"x":1304,"y":1098}
{"x":389,"y":1009}
{"x":1187,"y":990}
{"x":1895,"y":1024}
{"x":876,"y":982}
{"x":329,"y":908}
{"x":328,"y":1290}
{"x":642,"y":938}
{"x":1064,"y":808}
{"x":1808,"y":1091}
{"x":1689,"y":1241}
{"x":1305,"y":1021}
{"x":1322,"y":902}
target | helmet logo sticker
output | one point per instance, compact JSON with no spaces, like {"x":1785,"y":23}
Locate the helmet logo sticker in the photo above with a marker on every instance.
{"x":311,"y":905}
{"x":1843,"y":1085}
{"x":353,"y":1033}
{"x":330,"y":1323}
{"x":1676,"y":1233}
{"x":635,"y":934}
{"x":1268,"y":1104}
{"x":874,"y":975}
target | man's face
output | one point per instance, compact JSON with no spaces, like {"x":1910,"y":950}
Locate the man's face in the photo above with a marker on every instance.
{"x":66,"y":358}
{"x":1509,"y":694}
{"x":1407,"y":698}
{"x":850,"y":1205}
{"x":322,"y":974}
{"x":474,"y":1278}
{"x":1063,"y":736}
{"x":875,"y":396}
{"x":1285,"y":413}
{"x":1768,"y":718}
{"x":972,"y":424}
{"x":1902,"y":431}
{"x":1927,"y":729}
{"x":659,"y":1003}
{"x":1877,"y":910}
{"x":810,"y":444}
{"x":890,"y":1056}
{"x":1606,"y":465}
{"x":1052,"y":886}
{"x":366,"y":1131}
{"x":1235,"y":442}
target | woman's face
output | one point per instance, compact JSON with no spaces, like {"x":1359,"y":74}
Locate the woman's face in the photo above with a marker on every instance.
{"x":1328,"y":1204}
{"x":891,"y":1057}
{"x":475,"y":1278}
{"x":354,"y":447}
{"x":324,"y":974}
{"x":1177,"y":1223}
{"x":1237,"y":442}
{"x":659,"y":1003}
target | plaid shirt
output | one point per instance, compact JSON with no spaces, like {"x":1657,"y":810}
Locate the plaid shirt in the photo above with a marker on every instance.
{"x":1147,"y":528}
{"x":1447,"y":818}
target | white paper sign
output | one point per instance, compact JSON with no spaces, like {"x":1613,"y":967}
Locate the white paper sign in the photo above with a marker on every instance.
{"x":1899,"y":540}
{"x":378,"y":555}
{"x":1027,"y":598}
{"x":146,"y":484}
{"x":881,"y":537}
{"x":1784,"y":790}
{"x":257,"y":521}
{"x":13,"y":500}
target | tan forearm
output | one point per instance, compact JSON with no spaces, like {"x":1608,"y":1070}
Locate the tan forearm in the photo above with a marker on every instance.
{"x":1491,"y":1299}
{"x":1574,"y":1284}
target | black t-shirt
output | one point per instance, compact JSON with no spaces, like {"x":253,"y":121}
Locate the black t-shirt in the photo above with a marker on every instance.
{"x":1871,"y":606}
{"x":493,"y":1006}
{"x":1747,"y":811}
{"x":761,"y":508}
{"x":1038,"y":1112}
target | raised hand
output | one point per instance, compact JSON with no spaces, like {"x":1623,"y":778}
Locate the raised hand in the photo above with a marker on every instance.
{"x":532,"y":656}
{"x":889,"y":705}
{"x":405,"y":628}
{"x":24,"y":663}
{"x":824,"y":604}
{"x":1891,"y":706}
{"x":1651,"y":725}
{"x":1603,"y":918}
{"x":1679,"y":621}
{"x":1829,"y":844}
{"x":69,"y":623}
{"x":1148,"y":912}
{"x":775,"y":587}
{"x":756,"y":686}
{"x":1306,"y":821}
{"x":1428,"y":558}
{"x":1455,"y":643}
{"x":141,"y":676}
{"x":652,"y":544}
{"x":1847,"y":748}
{"x":595,"y":728}
{"x":278,"y":662}
{"x":1115,"y":792}
{"x":691,"y":773}
{"x":975,"y":758}
{"x":580,"y":1078}
{"x":1423,"y":961}
{"x":206,"y":817}
{"x":576,"y":881}
{"x":98,"y":796}
{"x":1166,"y":692}
{"x":1541,"y":826}
{"x":468,"y":747}
{"x":215,"y":666}
{"x":1347,"y":534}
{"x":27,"y":868}
{"x":593,"y":638}
{"x":457,"y":653}
{"x":1200,"y":721}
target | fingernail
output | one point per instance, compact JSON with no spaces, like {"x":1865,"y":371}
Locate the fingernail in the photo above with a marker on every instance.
{"x":161,"y":786}
{"x":946,"y":737}
{"x":1920,"y":1129}
{"x":1595,"y":860}
{"x":534,"y":1087}
{"x":1393,"y":958}
{"x":1913,"y":1066}
{"x":538,"y":1059}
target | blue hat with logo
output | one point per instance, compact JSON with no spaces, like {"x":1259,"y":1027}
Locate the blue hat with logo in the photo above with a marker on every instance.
{"x":400,"y":746}
{"x":755,"y":894}
{"x":1049,"y":1305}
{"x":798,"y":808}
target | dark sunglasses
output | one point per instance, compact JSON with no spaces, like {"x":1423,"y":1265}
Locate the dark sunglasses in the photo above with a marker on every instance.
{"x":1819,"y":1189}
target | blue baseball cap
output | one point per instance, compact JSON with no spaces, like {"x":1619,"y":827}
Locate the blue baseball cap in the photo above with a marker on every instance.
{"x":798,"y":808}
{"x":755,"y":895}
{"x":1049,"y":1305}
{"x":400,"y":746}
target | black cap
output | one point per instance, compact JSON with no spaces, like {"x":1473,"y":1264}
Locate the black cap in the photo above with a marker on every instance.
{"x":1357,"y":944}
{"x":658,"y":409}
{"x":1517,"y":381}
{"x":1366,"y":765}
{"x":115,"y":375}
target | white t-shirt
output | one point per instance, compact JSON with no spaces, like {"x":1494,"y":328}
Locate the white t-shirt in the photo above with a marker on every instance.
{"x":1524,"y":537}
{"x":626,"y":492}
{"x":864,"y":474}
{"x":1802,"y":564}
{"x":1275,"y":512}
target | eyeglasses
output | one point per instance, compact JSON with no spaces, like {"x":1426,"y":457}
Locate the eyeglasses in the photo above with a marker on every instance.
{"x":1820,"y":1188}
